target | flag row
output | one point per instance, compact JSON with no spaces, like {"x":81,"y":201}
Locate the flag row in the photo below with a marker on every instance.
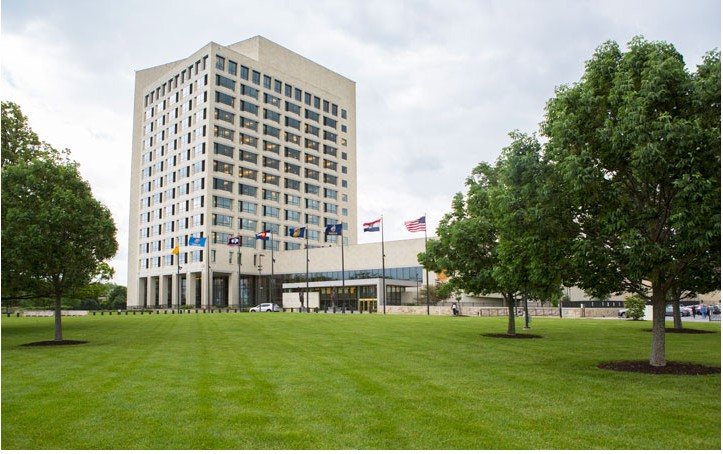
{"x":416,"y":225}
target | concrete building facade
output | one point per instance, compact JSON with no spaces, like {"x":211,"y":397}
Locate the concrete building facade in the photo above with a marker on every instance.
{"x":227,"y":143}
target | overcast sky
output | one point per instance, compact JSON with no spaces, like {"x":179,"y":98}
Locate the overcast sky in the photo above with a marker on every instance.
{"x":440,"y":84}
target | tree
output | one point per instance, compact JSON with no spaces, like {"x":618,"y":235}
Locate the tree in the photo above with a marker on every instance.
{"x":54,"y":233}
{"x":637,"y":146}
{"x":19,"y":142}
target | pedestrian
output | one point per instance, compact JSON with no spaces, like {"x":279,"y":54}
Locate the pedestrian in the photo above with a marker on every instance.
{"x":702,"y":310}
{"x":454,"y":308}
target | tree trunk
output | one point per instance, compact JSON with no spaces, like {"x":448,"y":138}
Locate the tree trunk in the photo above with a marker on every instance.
{"x":510,"y":313}
{"x":657,"y":349}
{"x":58,"y":324}
{"x":677,"y":322}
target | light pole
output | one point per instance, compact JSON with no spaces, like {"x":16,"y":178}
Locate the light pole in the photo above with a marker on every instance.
{"x":260,"y":267}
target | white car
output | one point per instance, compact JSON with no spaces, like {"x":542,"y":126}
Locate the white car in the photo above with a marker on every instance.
{"x":265,"y":307}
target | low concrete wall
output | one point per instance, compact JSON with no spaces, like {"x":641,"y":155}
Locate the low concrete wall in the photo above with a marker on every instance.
{"x":502,"y":311}
{"x":52,"y":313}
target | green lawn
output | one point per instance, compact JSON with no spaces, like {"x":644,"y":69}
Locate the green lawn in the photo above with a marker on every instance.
{"x":325,"y":381}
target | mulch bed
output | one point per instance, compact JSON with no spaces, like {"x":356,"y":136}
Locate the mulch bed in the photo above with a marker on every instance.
{"x":671,"y":368}
{"x":684,"y":331}
{"x":53,"y":343}
{"x":514,"y":336}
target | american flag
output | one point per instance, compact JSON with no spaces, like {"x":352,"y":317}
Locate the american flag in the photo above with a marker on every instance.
{"x":417,"y":225}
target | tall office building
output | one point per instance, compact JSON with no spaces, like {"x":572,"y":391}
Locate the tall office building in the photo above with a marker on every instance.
{"x":230,"y":142}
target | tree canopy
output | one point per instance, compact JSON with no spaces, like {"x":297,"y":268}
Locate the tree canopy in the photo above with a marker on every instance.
{"x":636,"y":144}
{"x":55,"y":234}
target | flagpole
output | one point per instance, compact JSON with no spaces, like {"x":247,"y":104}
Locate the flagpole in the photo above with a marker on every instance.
{"x":271,"y":284}
{"x":343,"y":284}
{"x":426,"y":273}
{"x":238,"y":258}
{"x":384,"y":272}
{"x":178,"y":277}
{"x":208,"y":275}
{"x":306,"y":233}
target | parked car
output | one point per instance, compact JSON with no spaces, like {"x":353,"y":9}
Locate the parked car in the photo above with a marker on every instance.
{"x":265,"y":307}
{"x":684,"y":311}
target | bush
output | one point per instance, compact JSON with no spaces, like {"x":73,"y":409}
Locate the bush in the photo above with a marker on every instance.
{"x":635,"y":306}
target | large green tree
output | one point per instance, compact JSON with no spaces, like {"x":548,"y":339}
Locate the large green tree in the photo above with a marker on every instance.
{"x":19,"y":142}
{"x":55,"y":234}
{"x":637,"y":144}
{"x":506,"y":234}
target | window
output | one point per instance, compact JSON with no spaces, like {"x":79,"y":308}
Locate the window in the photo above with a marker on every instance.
{"x":222,"y":220}
{"x":247,"y":207}
{"x":293,"y":138}
{"x":277,"y":86}
{"x":271,"y":163}
{"x":223,"y":167}
{"x":271,"y":211}
{"x":311,"y":174}
{"x":232,"y":67}
{"x":223,"y":115}
{"x":245,"y":189}
{"x":222,"y":202}
{"x":292,"y":184}
{"x":220,"y":62}
{"x":292,"y":168}
{"x":330,"y":193}
{"x":223,"y":98}
{"x":247,"y":90}
{"x":313,"y":130}
{"x":272,"y":147}
{"x":249,"y":124}
{"x":249,"y":107}
{"x":244,"y":73}
{"x":311,"y":145}
{"x":247,"y":224}
{"x":331,"y":151}
{"x":255,"y":77}
{"x":311,"y":159}
{"x":330,"y":122}
{"x":225,"y":82}
{"x":271,"y":115}
{"x":251,"y":174}
{"x":271,"y":131}
{"x":312,"y":204}
{"x":267,"y":82}
{"x":291,"y":153}
{"x":311,"y":115}
{"x":222,"y":185}
{"x":291,"y":215}
{"x":273,"y":100}
{"x":294,"y":108}
{"x":248,"y":140}
{"x":331,"y":165}
{"x":294,"y":200}
{"x":330,"y":208}
{"x":223,"y":150}
{"x":271,"y":179}
{"x":330,"y":179}
{"x":292,"y":123}
{"x":330,"y":136}
{"x":225,"y":133}
{"x":249,"y":156}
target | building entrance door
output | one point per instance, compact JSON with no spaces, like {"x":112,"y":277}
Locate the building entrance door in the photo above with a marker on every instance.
{"x":367,"y":305}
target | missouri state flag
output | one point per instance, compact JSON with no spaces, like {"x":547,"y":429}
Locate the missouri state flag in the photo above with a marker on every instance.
{"x":263,"y":235}
{"x":372,"y":226}
{"x":297,"y":232}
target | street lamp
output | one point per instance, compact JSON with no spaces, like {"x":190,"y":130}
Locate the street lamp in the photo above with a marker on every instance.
{"x":257,"y":259}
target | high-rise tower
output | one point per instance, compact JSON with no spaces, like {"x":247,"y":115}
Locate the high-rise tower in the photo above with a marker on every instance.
{"x":229,"y":142}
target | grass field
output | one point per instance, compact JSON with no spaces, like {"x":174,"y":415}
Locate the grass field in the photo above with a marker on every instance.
{"x":325,"y":381}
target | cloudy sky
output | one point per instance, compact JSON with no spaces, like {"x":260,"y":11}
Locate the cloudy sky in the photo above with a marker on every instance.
{"x":440,"y":83}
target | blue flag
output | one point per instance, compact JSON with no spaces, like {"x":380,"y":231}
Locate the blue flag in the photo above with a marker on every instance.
{"x":197,"y":241}
{"x":333,"y":229}
{"x":297,"y":232}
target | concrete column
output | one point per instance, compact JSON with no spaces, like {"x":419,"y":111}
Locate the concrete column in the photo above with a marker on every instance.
{"x":151,"y":293}
{"x":190,"y":289}
{"x":162,"y":291}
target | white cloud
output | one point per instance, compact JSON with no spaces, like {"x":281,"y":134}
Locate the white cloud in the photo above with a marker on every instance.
{"x":440,"y":83}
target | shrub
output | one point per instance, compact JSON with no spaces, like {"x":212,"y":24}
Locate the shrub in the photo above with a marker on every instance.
{"x":635,"y":306}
